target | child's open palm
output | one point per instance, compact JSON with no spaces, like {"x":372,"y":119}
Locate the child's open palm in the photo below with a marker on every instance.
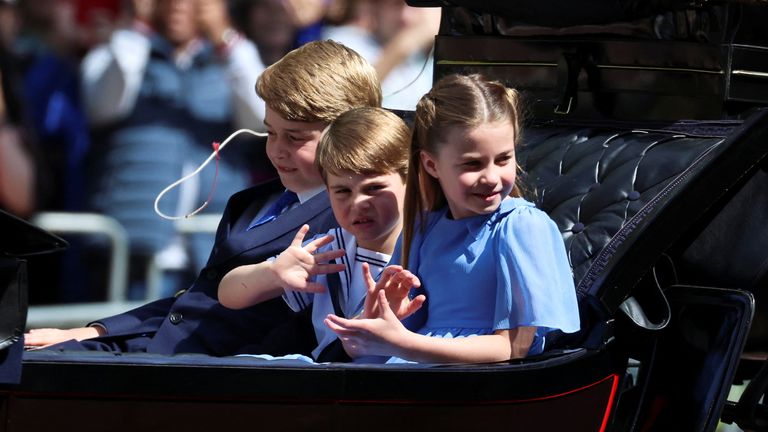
{"x":298,"y":264}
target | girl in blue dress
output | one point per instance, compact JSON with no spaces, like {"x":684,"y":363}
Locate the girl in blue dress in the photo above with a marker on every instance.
{"x":492,"y":265}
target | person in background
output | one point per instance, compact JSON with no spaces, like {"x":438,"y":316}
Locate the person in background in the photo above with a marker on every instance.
{"x":157,"y":95}
{"x":269,"y":25}
{"x":44,"y":43}
{"x":396,"y":39}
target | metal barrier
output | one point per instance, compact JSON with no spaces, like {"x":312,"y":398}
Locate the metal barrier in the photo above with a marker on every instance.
{"x":79,"y":314}
{"x":94,"y":223}
{"x":202,"y":223}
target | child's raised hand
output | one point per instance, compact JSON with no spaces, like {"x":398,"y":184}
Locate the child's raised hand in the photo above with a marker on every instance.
{"x":382,"y":334}
{"x":396,"y":282}
{"x":298,"y":264}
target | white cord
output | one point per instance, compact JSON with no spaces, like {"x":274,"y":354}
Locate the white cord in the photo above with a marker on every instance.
{"x":196,"y":172}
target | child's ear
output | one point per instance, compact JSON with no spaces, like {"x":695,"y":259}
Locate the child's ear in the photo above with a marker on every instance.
{"x":429,"y":164}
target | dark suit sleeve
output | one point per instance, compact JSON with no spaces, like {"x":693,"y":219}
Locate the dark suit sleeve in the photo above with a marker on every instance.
{"x":143,"y":319}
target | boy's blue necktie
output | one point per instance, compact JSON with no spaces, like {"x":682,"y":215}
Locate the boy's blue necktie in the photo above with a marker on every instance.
{"x":278,"y":207}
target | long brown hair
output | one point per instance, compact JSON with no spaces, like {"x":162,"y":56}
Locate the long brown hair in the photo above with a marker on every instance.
{"x":455,"y":101}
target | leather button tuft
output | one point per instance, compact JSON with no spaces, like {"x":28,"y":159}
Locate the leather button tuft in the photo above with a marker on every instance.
{"x":633,"y":196}
{"x":577,"y":228}
{"x":175,"y":318}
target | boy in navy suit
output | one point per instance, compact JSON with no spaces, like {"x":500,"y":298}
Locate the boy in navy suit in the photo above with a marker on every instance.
{"x":304,"y":92}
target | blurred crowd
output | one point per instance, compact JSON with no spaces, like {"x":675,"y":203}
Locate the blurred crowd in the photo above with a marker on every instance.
{"x":103,"y":103}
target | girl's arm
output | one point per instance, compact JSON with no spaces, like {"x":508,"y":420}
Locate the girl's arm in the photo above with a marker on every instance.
{"x":251,"y":284}
{"x":384,"y":335}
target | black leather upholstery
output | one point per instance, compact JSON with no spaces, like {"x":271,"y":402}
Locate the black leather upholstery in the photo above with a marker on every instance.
{"x":593,"y":181}
{"x":621,"y":195}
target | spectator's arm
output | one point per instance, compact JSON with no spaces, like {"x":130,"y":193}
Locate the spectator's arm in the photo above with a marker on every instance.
{"x":242,"y":61}
{"x":111,"y":76}
{"x":243,"y":68}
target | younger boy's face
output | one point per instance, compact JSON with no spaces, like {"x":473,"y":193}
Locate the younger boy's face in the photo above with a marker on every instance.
{"x":291,"y":148}
{"x":368,"y":206}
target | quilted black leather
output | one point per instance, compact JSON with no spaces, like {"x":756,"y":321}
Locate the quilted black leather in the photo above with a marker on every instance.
{"x":605,"y":186}
{"x":593,"y":181}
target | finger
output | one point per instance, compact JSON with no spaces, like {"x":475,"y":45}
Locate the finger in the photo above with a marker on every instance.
{"x":387,"y":274}
{"x":327,"y":268}
{"x":337,"y":324}
{"x":415,"y":304}
{"x":414,"y":280}
{"x":368,"y":278}
{"x":384,"y":308}
{"x":408,"y":279}
{"x":316,"y":244}
{"x":329,"y":255}
{"x":401,"y":281}
{"x":315,"y":287}
{"x":298,"y":239}
{"x":37,"y":341}
{"x":45,"y":329}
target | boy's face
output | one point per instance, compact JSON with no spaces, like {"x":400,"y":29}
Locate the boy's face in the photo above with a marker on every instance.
{"x":291,"y":148}
{"x":368,"y":206}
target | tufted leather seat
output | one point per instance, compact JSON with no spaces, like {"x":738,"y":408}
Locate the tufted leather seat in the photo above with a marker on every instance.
{"x":593,"y":181}
{"x":621,"y":195}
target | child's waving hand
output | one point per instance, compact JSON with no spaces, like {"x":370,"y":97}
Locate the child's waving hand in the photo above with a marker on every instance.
{"x":396,"y":282}
{"x":295,"y":267}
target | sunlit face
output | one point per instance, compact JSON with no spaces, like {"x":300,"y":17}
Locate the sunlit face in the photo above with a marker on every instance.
{"x":475,"y":168}
{"x":368,"y":206}
{"x":291,"y":148}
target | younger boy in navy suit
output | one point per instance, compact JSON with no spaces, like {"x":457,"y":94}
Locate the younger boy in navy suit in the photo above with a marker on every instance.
{"x":304,"y":92}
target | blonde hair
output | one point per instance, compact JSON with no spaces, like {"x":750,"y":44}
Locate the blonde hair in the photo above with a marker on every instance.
{"x":364,"y":141}
{"x":456,"y":101}
{"x":318,"y":82}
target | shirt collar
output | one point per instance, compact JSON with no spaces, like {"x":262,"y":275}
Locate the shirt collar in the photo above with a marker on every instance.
{"x":308,"y":195}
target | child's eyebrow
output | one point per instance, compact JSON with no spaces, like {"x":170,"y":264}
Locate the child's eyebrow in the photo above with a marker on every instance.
{"x":305,"y":131}
{"x":337,"y":186}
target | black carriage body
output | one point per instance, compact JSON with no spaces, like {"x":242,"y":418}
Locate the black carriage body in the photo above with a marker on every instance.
{"x":647,"y":148}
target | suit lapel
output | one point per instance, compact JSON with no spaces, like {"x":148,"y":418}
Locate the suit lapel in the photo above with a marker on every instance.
{"x":240,"y":240}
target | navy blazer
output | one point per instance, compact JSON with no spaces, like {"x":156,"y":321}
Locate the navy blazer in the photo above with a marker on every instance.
{"x":195,"y":322}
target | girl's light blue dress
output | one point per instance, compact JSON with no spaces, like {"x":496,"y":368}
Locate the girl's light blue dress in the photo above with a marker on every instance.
{"x":494,"y":272}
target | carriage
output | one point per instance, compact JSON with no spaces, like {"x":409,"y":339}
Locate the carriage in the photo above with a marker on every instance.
{"x":646,"y":140}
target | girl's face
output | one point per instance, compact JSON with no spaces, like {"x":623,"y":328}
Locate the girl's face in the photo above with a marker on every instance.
{"x":291,"y":148}
{"x":476,"y":168}
{"x":368,"y":206}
